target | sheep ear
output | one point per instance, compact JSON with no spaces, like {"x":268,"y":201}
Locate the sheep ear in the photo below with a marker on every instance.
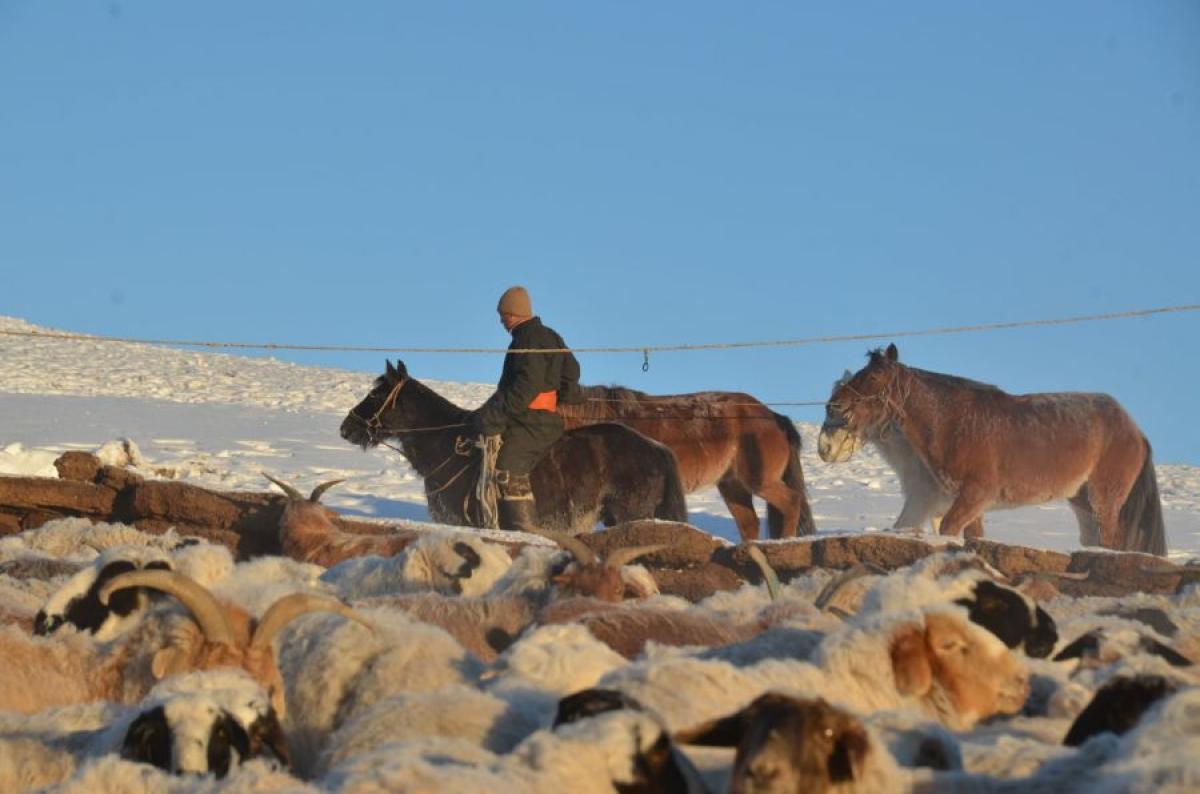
{"x":910,"y":661}
{"x":848,"y":755}
{"x":723,"y":732}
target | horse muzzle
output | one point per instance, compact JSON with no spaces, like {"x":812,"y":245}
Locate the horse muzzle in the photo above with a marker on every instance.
{"x":837,"y":445}
{"x":355,"y":430}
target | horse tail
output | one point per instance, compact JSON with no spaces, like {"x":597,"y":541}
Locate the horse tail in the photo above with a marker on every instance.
{"x":793,"y":477}
{"x":1141,"y":517}
{"x":673,"y":505}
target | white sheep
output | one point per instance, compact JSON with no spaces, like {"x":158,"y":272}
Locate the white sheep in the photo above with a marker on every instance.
{"x":200,"y":723}
{"x":452,"y":563}
{"x":42,"y":673}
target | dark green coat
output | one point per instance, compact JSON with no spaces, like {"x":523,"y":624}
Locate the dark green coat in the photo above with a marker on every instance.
{"x":528,"y":433}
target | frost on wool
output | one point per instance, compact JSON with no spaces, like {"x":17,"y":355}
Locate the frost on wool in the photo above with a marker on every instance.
{"x":77,"y":601}
{"x":454,"y":563}
{"x":334,"y":669}
{"x":494,"y":723}
{"x":82,"y":540}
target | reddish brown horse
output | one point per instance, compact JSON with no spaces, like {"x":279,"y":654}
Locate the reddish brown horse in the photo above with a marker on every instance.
{"x":724,"y":438}
{"x":988,"y":449}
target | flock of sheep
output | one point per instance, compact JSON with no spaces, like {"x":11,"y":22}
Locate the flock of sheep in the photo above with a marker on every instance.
{"x":153,"y":663}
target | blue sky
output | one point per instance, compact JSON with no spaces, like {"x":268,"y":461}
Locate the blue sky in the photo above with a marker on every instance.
{"x":375,"y":173}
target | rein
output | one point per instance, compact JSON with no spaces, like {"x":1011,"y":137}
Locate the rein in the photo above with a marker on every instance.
{"x":375,"y":425}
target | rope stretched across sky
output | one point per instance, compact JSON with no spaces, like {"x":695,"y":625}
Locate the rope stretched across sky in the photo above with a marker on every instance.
{"x":646,"y":350}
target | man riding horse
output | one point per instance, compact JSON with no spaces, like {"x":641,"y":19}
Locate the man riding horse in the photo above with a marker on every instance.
{"x":523,"y":410}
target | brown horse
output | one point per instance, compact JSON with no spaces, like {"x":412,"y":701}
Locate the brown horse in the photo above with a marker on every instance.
{"x":609,"y":473}
{"x":990,"y":449}
{"x":925,"y":500}
{"x":724,"y":438}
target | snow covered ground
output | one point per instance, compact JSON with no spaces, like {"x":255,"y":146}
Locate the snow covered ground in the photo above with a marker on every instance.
{"x":220,"y":421}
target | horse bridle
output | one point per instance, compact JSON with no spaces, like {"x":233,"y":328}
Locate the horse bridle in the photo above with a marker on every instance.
{"x":886,"y":395}
{"x":463,"y":447}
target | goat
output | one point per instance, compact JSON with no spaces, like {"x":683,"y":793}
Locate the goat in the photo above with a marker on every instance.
{"x":307,"y":532}
{"x":44,"y":673}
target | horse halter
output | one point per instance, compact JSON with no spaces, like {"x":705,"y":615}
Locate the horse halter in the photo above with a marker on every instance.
{"x":888,"y":396}
{"x":374,"y":424}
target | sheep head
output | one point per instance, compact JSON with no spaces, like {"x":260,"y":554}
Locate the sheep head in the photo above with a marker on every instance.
{"x":591,"y":576}
{"x":961,"y":672}
{"x":221,"y":634}
{"x":787,"y":744}
{"x":205,"y":723}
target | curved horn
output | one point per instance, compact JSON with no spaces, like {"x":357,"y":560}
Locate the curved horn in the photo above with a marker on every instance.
{"x":290,"y":607}
{"x":287,"y":489}
{"x":769,"y":575}
{"x":205,"y":609}
{"x":838,"y":582}
{"x":322,"y":488}
{"x":574,"y":545}
{"x":627,"y":555}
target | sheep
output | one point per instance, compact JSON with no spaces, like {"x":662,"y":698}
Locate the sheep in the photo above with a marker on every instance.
{"x":1117,"y":706}
{"x":335,"y":670}
{"x":78,"y":601}
{"x":487,"y":625}
{"x":41,"y":673}
{"x":787,"y":744}
{"x":201,"y":723}
{"x":1160,"y":754}
{"x":452,"y":563}
{"x":1108,"y":643}
{"x":628,"y":629}
{"x":963,"y":579}
{"x":623,"y":752}
{"x":934,"y":660}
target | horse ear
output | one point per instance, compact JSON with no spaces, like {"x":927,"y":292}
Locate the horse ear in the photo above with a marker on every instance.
{"x":390,"y":369}
{"x":401,"y":370}
{"x":892,"y":353}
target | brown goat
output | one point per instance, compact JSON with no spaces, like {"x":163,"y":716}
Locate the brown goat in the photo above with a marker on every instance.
{"x":307,"y":532}
{"x":40,"y":674}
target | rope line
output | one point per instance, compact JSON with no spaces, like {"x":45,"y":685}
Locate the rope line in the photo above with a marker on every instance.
{"x":645,"y":350}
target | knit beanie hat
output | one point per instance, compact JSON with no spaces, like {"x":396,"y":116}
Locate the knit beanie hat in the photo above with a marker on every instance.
{"x":515,"y":301}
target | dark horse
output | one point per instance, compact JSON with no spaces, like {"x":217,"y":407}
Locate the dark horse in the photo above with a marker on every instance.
{"x":607,"y":472}
{"x":985,"y":448}
{"x":728,"y":439}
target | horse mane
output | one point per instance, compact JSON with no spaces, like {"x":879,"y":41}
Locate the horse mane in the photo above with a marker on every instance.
{"x":954,"y":381}
{"x":940,"y":378}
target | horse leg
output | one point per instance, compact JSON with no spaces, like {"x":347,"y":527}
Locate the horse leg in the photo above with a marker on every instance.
{"x":1109,"y":485}
{"x":967,"y":508}
{"x":1089,"y":527}
{"x":740,"y":502}
{"x":974,"y":529}
{"x":786,"y":502}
